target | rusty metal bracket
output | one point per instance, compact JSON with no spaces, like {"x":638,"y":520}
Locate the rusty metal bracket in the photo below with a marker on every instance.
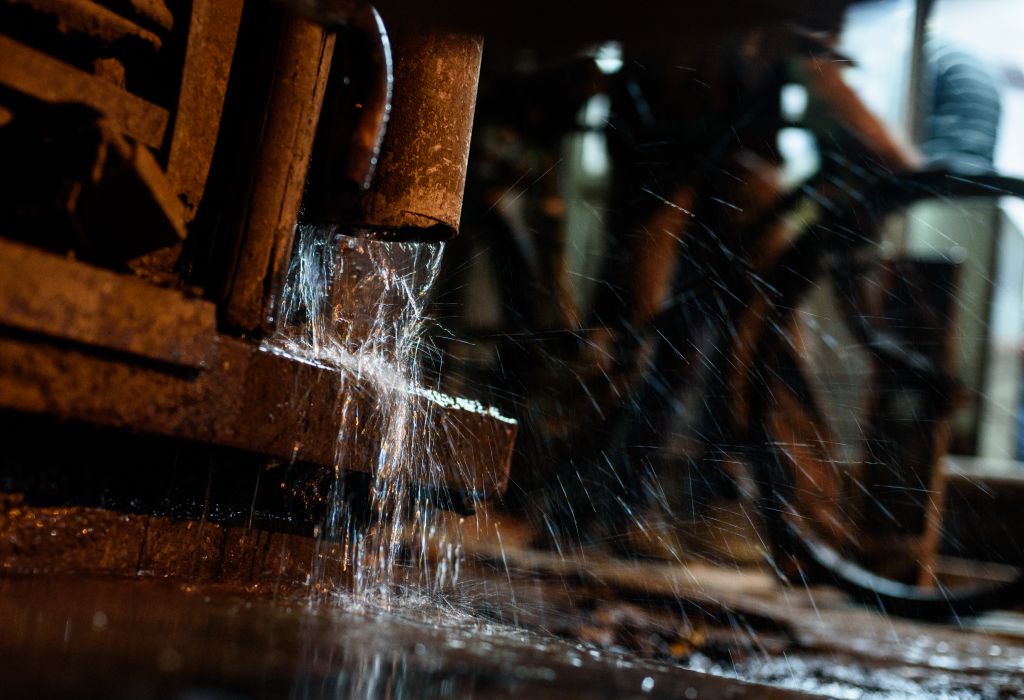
{"x":95,"y":346}
{"x":59,"y":298}
{"x":265,"y":217}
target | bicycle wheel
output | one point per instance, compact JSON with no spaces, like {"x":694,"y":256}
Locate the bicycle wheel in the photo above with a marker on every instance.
{"x":820,"y":502}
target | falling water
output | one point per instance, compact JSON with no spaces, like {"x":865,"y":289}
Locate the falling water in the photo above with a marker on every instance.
{"x":358,"y":305}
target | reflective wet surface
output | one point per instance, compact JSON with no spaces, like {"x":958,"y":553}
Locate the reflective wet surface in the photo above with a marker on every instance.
{"x":127,"y":638}
{"x":150,"y":638}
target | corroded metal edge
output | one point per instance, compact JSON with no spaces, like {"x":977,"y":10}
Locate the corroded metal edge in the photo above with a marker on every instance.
{"x":91,"y":345}
{"x":44,"y":294}
{"x":95,"y":541}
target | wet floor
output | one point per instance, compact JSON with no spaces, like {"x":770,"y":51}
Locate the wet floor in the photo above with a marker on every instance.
{"x":148,"y":638}
{"x":138,"y":638}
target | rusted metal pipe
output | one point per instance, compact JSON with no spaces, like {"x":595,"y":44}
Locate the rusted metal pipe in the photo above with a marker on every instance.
{"x":306,"y":56}
{"x":416,"y":194}
{"x":418,"y":188}
{"x":422,"y":172}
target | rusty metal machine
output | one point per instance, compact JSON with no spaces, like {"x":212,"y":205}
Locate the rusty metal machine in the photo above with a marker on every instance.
{"x":157,"y":159}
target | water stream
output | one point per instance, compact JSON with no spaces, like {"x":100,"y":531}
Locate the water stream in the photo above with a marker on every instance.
{"x":358,"y":305}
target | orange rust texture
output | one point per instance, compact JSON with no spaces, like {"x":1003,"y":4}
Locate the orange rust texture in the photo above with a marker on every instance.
{"x":270,"y":208}
{"x":80,"y":540}
{"x":422,"y":172}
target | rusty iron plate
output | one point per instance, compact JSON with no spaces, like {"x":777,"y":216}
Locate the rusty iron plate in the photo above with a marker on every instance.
{"x":252,"y":400}
{"x":49,"y":295}
{"x":149,"y":359}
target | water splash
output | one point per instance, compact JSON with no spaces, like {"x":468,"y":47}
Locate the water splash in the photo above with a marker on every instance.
{"x":359,"y":306}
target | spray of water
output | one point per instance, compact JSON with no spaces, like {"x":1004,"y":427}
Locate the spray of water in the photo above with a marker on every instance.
{"x":358,"y":306}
